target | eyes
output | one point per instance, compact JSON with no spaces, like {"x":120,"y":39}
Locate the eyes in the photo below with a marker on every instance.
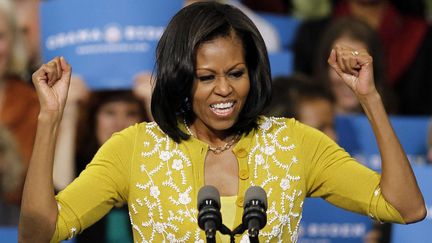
{"x":234,"y":74}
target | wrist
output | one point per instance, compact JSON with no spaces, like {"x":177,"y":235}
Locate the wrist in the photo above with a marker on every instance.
{"x":370,"y":99}
{"x":49,"y":116}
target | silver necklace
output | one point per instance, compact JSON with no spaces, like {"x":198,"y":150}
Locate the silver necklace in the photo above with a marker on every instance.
{"x":215,"y":150}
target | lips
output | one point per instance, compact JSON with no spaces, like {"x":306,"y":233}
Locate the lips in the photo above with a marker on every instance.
{"x":223,"y":108}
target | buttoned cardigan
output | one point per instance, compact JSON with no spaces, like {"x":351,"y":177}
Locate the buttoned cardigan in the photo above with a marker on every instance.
{"x":159,"y":179}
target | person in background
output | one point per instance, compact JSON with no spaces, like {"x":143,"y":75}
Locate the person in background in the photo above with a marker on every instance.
{"x":308,"y":101}
{"x":10,"y":177}
{"x":19,"y":104}
{"x":89,"y":120}
{"x":213,"y":81}
{"x":27,"y":14}
{"x":356,"y":34}
{"x":142,"y":88}
{"x":406,"y":40}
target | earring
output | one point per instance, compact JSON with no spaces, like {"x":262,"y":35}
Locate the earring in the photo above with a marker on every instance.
{"x":185,"y":106}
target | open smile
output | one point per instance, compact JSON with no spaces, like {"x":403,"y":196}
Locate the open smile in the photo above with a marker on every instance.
{"x":223,"y":109}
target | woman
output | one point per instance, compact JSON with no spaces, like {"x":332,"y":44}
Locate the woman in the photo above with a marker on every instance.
{"x":306,"y":100}
{"x":10,"y":176}
{"x":212,"y":83}
{"x":103,"y":113}
{"x":356,"y":34}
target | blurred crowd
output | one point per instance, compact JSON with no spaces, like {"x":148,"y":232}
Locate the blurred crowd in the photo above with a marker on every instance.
{"x":396,"y":33}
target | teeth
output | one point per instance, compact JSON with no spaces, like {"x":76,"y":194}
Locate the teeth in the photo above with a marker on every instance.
{"x":222,"y":105}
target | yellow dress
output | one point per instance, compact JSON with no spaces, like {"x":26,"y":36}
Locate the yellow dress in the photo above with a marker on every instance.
{"x":160,"y":179}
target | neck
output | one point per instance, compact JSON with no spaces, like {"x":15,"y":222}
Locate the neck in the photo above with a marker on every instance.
{"x":214,"y":138}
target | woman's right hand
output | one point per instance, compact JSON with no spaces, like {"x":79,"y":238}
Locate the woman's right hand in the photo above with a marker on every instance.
{"x":52,"y":81}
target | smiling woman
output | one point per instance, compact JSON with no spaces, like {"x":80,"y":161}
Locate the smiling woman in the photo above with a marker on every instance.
{"x":212,"y":83}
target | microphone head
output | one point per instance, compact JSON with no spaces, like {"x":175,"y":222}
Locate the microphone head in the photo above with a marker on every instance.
{"x":255,"y":193}
{"x":208,"y":193}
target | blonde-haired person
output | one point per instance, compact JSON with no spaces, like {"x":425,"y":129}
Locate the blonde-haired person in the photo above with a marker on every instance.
{"x":19,"y":105}
{"x":10,"y":175}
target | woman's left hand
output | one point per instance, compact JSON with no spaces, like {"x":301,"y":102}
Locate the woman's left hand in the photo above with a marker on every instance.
{"x":355,"y":68}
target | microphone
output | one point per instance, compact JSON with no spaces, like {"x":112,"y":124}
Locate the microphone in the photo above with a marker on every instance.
{"x":209,"y":215}
{"x":254,"y":214}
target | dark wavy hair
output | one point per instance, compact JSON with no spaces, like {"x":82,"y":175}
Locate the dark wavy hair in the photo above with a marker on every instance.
{"x":176,"y":64}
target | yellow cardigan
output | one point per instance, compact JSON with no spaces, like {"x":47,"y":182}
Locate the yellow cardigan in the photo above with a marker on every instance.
{"x":159,"y":180}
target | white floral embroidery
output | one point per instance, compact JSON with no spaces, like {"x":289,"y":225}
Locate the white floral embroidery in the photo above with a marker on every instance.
{"x":164,"y":201}
{"x":269,"y":150}
{"x":376,"y":192}
{"x":154,"y":191}
{"x":245,"y":239}
{"x":266,"y":125}
{"x":276,"y":231}
{"x":285,"y":184}
{"x":165,"y":155}
{"x":72,"y":233}
{"x":170,"y":237}
{"x":159,"y":227}
{"x":259,"y":159}
{"x":177,"y":164}
{"x":184,"y":198}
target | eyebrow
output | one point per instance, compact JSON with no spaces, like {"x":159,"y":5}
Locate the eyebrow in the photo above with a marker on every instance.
{"x":231,"y":68}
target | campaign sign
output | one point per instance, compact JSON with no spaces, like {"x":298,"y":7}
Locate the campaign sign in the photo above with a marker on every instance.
{"x":107,"y":42}
{"x":323,"y":222}
{"x":419,"y":232}
{"x":355,"y":135}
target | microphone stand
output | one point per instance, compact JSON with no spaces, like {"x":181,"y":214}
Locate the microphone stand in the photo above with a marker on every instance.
{"x":240,"y":230}
{"x":226,"y":231}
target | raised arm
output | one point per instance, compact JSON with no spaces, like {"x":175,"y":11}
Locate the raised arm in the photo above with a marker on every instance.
{"x":398,"y":183}
{"x":64,"y":159}
{"x":38,"y":207}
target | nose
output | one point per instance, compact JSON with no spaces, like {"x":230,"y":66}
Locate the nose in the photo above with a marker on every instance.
{"x":223,"y":86}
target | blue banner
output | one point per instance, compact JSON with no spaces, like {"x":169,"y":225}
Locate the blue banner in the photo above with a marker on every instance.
{"x":323,"y":222}
{"x":418,"y":232}
{"x":355,"y":135}
{"x":107,"y":42}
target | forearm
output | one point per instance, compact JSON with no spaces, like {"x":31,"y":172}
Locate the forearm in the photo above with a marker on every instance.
{"x":38,"y":207}
{"x":64,"y":159}
{"x":398,"y":183}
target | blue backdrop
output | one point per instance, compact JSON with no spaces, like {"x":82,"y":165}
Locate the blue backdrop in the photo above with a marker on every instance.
{"x":323,"y":222}
{"x":106,"y":41}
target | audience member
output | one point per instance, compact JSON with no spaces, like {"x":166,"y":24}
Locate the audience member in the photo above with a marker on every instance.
{"x":27,"y":13}
{"x":19,"y":104}
{"x":356,"y":34}
{"x":304,"y":99}
{"x":94,"y":116}
{"x":10,"y":176}
{"x":406,"y":41}
{"x":142,"y":89}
